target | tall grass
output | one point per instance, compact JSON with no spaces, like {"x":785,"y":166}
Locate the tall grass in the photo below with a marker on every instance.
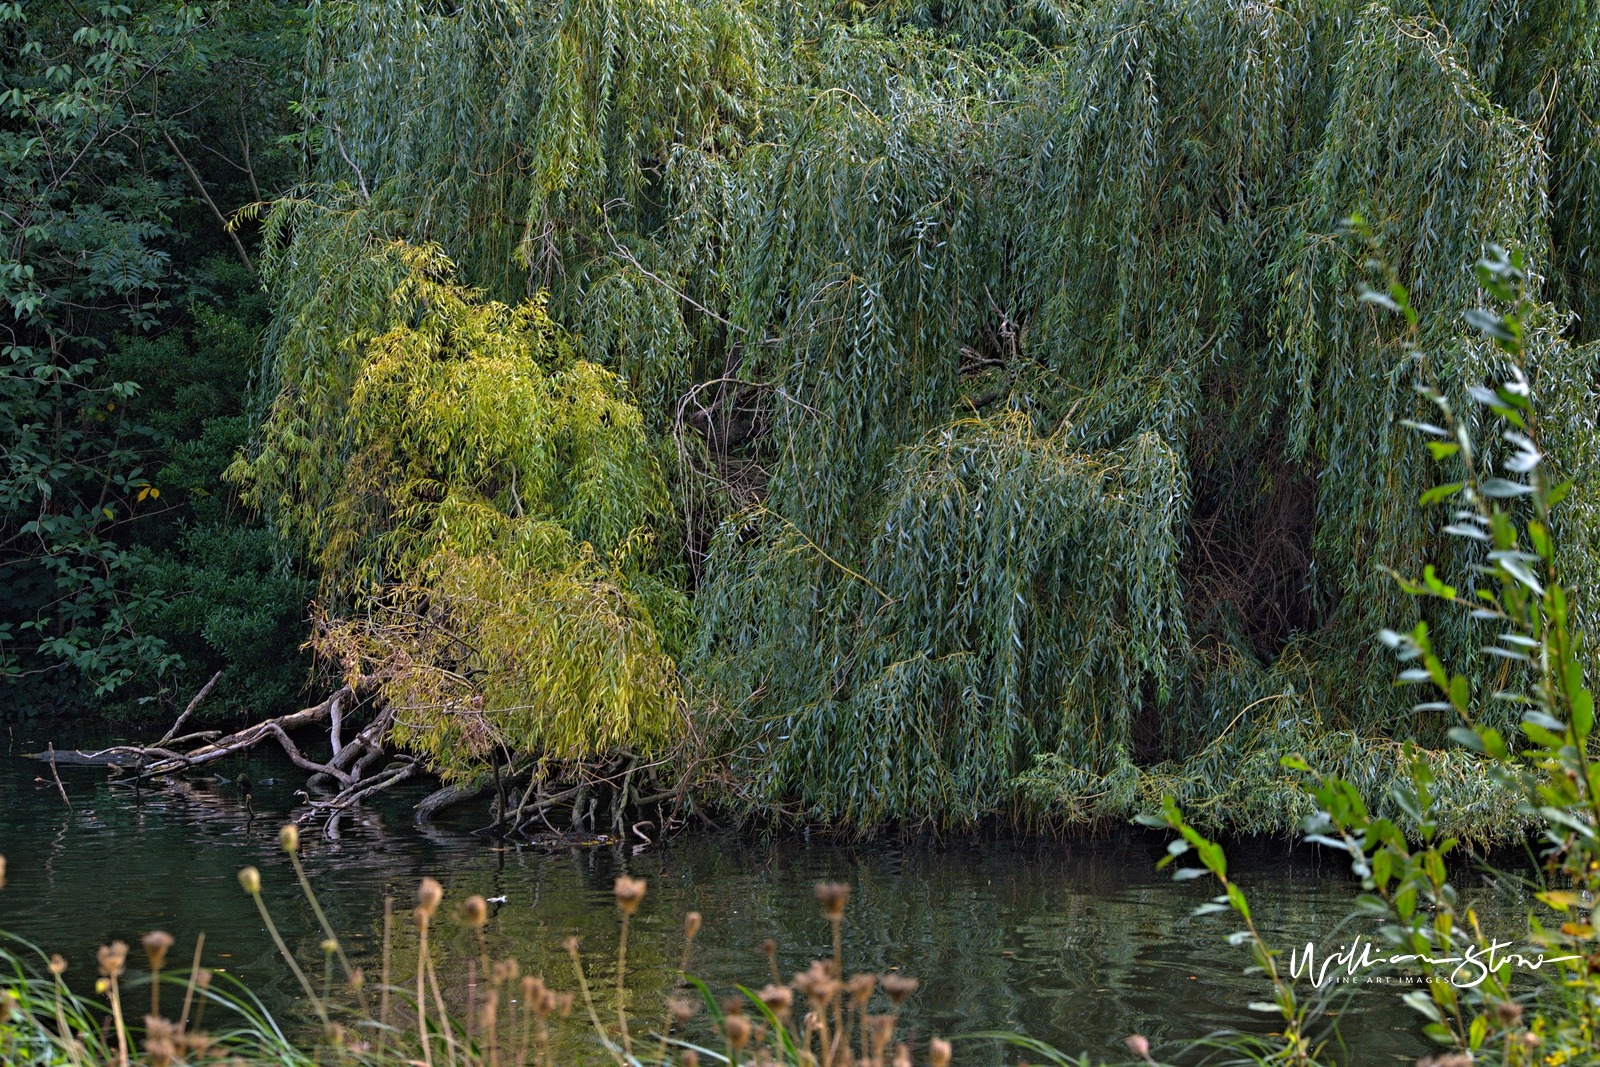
{"x":488,"y":1014}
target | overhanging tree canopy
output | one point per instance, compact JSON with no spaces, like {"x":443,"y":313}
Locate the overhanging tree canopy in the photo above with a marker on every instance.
{"x":1024,"y":405}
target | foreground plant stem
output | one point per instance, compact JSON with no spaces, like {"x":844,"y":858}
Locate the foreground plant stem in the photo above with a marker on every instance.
{"x":588,"y":1001}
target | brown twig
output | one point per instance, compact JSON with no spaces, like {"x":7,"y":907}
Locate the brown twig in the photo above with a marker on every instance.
{"x":205,"y":690}
{"x":57,"y":776}
{"x":212,"y":204}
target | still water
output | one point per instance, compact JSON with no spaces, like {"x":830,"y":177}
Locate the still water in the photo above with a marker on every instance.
{"x":1077,"y":943}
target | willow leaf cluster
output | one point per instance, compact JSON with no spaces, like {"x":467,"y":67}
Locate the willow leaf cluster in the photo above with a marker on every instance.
{"x":484,"y":506}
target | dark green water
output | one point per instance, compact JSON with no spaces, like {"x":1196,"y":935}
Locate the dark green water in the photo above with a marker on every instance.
{"x":1076,"y":943}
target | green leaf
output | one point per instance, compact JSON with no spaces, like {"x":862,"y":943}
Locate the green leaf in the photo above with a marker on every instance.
{"x":1582,"y":714}
{"x":1438,"y":493}
{"x":1423,"y":1004}
{"x":1236,"y":898}
{"x":1405,"y":902}
{"x":1382,"y":863}
{"x":1502,"y":489}
{"x":1490,"y":324}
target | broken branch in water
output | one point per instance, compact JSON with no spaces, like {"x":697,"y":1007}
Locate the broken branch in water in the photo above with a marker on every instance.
{"x":188,"y":711}
{"x":57,"y":776}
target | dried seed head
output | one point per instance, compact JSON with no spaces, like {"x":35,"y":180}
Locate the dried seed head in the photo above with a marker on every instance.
{"x":769,"y":948}
{"x":778,"y":999}
{"x":881,"y":1027}
{"x":899,"y":986}
{"x":737,"y":1027}
{"x":1509,"y":1012}
{"x":160,"y":1051}
{"x":475,"y":911}
{"x":57,"y":964}
{"x":902,"y":1055}
{"x":571,"y":945}
{"x":818,"y":983}
{"x":939,"y":1052}
{"x":491,"y":1006}
{"x":250,"y":879}
{"x":531,"y":987}
{"x":681,"y":1010}
{"x":156,"y":943}
{"x":429,"y":893}
{"x":833,"y":896}
{"x":807,"y":980}
{"x":1532,"y":1040}
{"x":691,"y":1058}
{"x":289,"y":837}
{"x":733,"y":1006}
{"x":691,"y":925}
{"x":8,"y":1005}
{"x":861,"y":987}
{"x":113,"y":958}
{"x":629,"y":892}
{"x":358,"y":978}
{"x":197,"y":1042}
{"x":1139,"y":1046}
{"x":564,"y":1004}
{"x":506,"y":970}
{"x":2,"y":872}
{"x":202,"y":978}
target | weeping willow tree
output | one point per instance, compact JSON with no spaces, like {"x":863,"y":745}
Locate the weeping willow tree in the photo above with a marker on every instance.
{"x":1002,"y":393}
{"x":485,"y":507}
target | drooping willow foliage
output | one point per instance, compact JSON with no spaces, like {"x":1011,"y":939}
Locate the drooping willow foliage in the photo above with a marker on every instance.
{"x":485,"y":508}
{"x":1030,"y":433}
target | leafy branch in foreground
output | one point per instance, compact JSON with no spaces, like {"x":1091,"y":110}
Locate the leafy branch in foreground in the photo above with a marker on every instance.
{"x":1517,"y":588}
{"x":1502,"y":501}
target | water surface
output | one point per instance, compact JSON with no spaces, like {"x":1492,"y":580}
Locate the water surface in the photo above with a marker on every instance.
{"x":1077,"y":943}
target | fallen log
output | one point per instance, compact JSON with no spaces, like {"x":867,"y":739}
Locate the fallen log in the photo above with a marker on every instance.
{"x":249,"y":737}
{"x":156,"y":760}
{"x":450,"y":795}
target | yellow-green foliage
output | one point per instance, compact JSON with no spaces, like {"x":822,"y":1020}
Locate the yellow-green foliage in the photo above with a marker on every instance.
{"x":484,"y":508}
